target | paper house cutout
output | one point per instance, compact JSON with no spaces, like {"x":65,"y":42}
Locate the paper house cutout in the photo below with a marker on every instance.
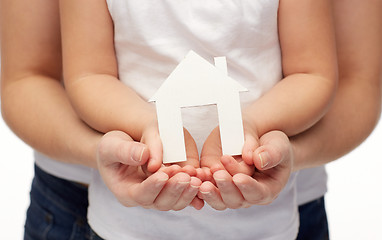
{"x":196,"y":82}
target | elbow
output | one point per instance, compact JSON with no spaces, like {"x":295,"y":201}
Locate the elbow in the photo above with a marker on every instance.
{"x":5,"y":106}
{"x":329,"y":80}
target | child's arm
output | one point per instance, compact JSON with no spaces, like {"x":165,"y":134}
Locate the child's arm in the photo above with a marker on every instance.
{"x":91,"y":75}
{"x":91,"y":78}
{"x":309,"y":66}
{"x":310,"y":69}
{"x":309,"y":62}
{"x":293,"y":105}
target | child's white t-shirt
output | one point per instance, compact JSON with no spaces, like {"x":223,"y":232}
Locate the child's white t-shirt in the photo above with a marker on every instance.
{"x":151,"y":38}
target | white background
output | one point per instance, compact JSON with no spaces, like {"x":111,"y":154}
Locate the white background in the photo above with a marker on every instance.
{"x":354,"y":200}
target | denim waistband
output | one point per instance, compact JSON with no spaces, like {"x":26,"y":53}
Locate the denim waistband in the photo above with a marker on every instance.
{"x":67,"y":195}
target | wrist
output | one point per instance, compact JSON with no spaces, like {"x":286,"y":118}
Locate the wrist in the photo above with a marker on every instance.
{"x":87,"y":153}
{"x":250,"y":123}
{"x":146,"y":119}
{"x":295,"y":153}
{"x":304,"y":152}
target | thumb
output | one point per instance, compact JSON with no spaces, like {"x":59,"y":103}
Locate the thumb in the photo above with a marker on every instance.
{"x":274,"y":149}
{"x":118,"y":147}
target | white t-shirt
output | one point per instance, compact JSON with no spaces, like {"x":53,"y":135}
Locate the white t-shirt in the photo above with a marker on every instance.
{"x":151,"y":38}
{"x":311,"y":184}
{"x":67,"y":171}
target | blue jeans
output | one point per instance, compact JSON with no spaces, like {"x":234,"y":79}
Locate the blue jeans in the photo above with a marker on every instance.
{"x":57,"y":210}
{"x":313,"y":221}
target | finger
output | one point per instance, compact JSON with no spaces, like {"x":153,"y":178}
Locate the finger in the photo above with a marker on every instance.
{"x":204,"y":174}
{"x":211,"y":195}
{"x":117,"y":147}
{"x":250,"y":144}
{"x":188,"y":194}
{"x":154,"y":143}
{"x":197,"y":203}
{"x":253,"y":191}
{"x":211,"y":162}
{"x":212,"y":151}
{"x":192,"y":153}
{"x":172,"y":191}
{"x":190,"y":170}
{"x":144,"y":193}
{"x":170,"y":170}
{"x":236,"y":165}
{"x":229,"y":193}
{"x":275,"y":148}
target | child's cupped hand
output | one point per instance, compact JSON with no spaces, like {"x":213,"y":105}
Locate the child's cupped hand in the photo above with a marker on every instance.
{"x":151,"y":139}
{"x":254,"y":178}
{"x":213,"y":159}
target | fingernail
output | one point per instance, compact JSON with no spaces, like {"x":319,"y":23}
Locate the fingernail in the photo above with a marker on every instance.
{"x":193,"y":189}
{"x":219,"y":179}
{"x":205,"y":193}
{"x":137,"y":154}
{"x":264,"y":159}
{"x":221,"y":182}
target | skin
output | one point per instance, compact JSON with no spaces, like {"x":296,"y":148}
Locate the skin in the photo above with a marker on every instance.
{"x":31,"y":73}
{"x":29,"y":81}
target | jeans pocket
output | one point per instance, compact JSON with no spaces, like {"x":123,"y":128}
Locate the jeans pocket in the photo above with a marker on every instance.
{"x":39,"y":222}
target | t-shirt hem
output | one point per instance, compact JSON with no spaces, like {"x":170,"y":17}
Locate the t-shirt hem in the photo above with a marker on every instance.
{"x":103,"y":231}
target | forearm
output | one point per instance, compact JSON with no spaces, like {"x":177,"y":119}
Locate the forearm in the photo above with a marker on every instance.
{"x":350,"y":120}
{"x":309,"y":66}
{"x":106,"y":104}
{"x":34,"y":103}
{"x":293,"y":105}
{"x":37,"y":109}
{"x":357,"y":105}
{"x":91,"y":71}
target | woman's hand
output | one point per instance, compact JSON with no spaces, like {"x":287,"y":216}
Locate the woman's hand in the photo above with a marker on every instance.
{"x":121,"y":163}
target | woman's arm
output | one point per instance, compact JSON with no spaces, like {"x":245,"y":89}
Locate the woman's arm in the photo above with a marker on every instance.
{"x":357,"y":105}
{"x":34,"y":103}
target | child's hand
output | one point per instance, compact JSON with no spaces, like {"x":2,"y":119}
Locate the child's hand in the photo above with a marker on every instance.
{"x":212,"y":158}
{"x":218,"y":189}
{"x":263,"y":187}
{"x":151,"y":138}
{"x":119,"y":161}
{"x":192,"y":164}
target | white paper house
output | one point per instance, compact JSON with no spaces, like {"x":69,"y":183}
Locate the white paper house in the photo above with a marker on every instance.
{"x":196,"y":82}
